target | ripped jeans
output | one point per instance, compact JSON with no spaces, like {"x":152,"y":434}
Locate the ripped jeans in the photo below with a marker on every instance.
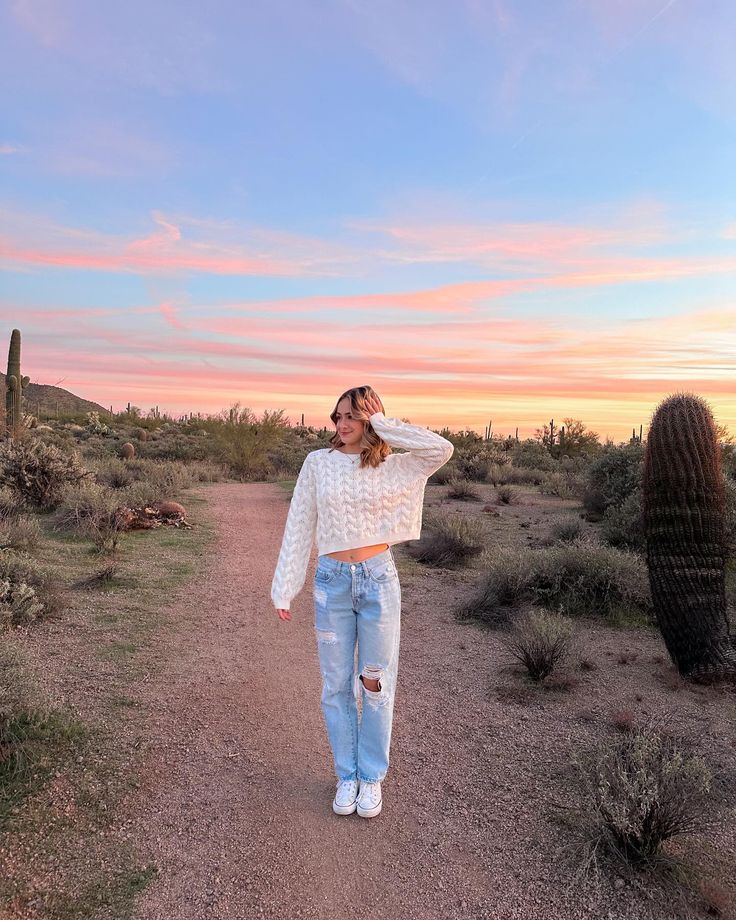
{"x":362,"y":601}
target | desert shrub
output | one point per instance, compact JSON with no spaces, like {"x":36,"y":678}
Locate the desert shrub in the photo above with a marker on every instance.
{"x":207,"y":471}
{"x":578,"y":578}
{"x":18,"y":691}
{"x":622,"y":524}
{"x":242,"y":441}
{"x":497,"y":474}
{"x":174,"y":444}
{"x":103,"y":575}
{"x":475,"y":464}
{"x":462,"y":490}
{"x":105,"y":529}
{"x":450,"y":540}
{"x":613,"y":476}
{"x":95,"y":425}
{"x":139,"y":494}
{"x":566,"y":529}
{"x":34,"y":737}
{"x":80,"y":505}
{"x":38,"y":471}
{"x":540,"y":641}
{"x":639,"y":789}
{"x":169,"y":476}
{"x":522,"y":476}
{"x":19,"y":603}
{"x":26,"y":590}
{"x":114,"y":473}
{"x":594,"y":502}
{"x":507,"y":495}
{"x":22,"y":532}
{"x":12,"y":504}
{"x":561,"y":484}
{"x":151,"y":479}
{"x":444,"y":474}
{"x":531,"y":454}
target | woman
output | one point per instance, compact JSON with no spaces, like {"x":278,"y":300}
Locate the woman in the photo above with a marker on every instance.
{"x":357,"y":498}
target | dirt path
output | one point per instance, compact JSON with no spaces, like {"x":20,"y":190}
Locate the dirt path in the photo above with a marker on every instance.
{"x":235,"y":809}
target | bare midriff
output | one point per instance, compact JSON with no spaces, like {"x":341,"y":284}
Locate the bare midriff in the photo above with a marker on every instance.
{"x":359,"y":553}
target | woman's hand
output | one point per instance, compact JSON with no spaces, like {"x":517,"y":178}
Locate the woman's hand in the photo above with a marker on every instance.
{"x":283,"y":614}
{"x":373,"y":404}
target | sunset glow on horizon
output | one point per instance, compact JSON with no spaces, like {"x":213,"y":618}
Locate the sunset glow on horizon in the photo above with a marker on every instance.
{"x":506,"y":211}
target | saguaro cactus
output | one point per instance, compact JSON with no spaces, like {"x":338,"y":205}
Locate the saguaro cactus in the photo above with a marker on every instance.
{"x":683,"y":512}
{"x":15,"y":384}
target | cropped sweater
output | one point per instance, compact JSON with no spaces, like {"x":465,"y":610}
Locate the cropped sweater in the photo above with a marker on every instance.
{"x":344,"y":507}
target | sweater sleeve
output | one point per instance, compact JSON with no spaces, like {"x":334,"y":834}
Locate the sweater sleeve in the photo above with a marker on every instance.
{"x":299,"y":535}
{"x":428,"y":451}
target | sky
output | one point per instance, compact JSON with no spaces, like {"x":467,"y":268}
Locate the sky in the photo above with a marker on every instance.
{"x":489,"y":211}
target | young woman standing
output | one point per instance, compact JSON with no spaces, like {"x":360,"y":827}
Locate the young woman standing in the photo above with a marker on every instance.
{"x":357,"y":499}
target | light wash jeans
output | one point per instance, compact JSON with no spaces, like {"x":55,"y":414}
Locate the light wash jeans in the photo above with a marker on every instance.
{"x":360,"y":600}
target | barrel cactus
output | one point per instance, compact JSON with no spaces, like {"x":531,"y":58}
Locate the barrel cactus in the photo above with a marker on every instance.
{"x":15,"y":384}
{"x":683,"y":514}
{"x":127,"y":451}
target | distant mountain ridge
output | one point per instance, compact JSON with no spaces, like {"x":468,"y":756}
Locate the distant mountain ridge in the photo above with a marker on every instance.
{"x":50,"y":398}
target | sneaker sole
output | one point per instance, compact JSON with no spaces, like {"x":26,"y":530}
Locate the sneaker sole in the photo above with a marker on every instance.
{"x":370,"y":812}
{"x":344,"y":809}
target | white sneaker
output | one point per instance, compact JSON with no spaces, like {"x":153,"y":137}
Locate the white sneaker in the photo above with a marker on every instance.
{"x":369,"y":800}
{"x":346,"y":797}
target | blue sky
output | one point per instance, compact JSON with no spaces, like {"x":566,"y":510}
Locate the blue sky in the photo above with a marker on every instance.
{"x":484,"y":209}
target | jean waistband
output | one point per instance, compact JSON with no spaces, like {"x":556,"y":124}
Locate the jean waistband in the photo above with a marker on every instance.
{"x":368,"y":564}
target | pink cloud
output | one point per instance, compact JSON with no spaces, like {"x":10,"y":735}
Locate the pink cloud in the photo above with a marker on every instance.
{"x":616,"y":371}
{"x":176,"y":244}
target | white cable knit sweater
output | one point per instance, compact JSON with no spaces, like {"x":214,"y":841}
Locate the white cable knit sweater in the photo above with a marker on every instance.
{"x":345,"y":507}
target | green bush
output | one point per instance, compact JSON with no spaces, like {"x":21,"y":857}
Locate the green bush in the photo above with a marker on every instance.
{"x":526,"y":476}
{"x":207,"y":471}
{"x":560,"y":484}
{"x":613,"y":476}
{"x":639,"y":789}
{"x":531,"y":454}
{"x":450,"y":540}
{"x":476,"y":464}
{"x":566,"y":529}
{"x":38,"y":471}
{"x":462,"y":490}
{"x":508,"y":495}
{"x":540,"y":641}
{"x":81,"y":505}
{"x":622,"y":524}
{"x":34,"y":737}
{"x":22,"y":532}
{"x":579,"y":578}
{"x":12,"y":504}
{"x":114,"y":472}
{"x":444,"y":474}
{"x":26,"y":590}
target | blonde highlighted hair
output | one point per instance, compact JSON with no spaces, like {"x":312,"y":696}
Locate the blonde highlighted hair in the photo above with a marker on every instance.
{"x":374,"y":450}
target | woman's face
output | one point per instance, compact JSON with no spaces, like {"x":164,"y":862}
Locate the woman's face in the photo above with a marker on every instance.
{"x":350,"y":429}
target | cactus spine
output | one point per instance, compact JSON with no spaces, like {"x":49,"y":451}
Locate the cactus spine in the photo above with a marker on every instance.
{"x":684,"y":507}
{"x":15,"y":384}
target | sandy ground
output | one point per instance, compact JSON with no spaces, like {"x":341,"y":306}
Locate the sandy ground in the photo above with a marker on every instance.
{"x":235,"y":806}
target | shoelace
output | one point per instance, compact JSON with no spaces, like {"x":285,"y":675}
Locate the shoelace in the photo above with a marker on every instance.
{"x":347,"y":787}
{"x":370,"y":791}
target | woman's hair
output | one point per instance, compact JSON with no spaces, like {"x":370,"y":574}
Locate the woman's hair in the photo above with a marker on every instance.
{"x":373,"y":449}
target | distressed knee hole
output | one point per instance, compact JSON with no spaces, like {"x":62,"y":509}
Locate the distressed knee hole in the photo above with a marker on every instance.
{"x":327,"y":636}
{"x":371,"y":678}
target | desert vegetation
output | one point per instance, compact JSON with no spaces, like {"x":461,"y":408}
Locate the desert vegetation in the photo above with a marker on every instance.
{"x":553,"y":538}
